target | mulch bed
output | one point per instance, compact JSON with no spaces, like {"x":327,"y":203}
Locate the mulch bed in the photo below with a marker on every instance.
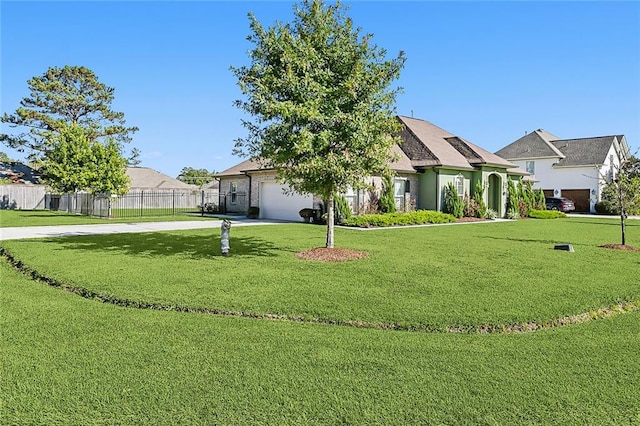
{"x":470,"y":219}
{"x":323,"y":254}
{"x":620,"y":247}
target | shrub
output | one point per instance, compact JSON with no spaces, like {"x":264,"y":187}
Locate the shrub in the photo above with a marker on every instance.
{"x":416,"y":217}
{"x":371,"y":207}
{"x":523,"y":208}
{"x":539,"y":200}
{"x":604,"y":207}
{"x":452,"y":202}
{"x":478,"y":196}
{"x":470,"y":207}
{"x":490,"y":214}
{"x":343,"y":210}
{"x":512,"y":213}
{"x":512,"y":197}
{"x":387,"y":202}
{"x":546,"y":214}
{"x":526,"y":194}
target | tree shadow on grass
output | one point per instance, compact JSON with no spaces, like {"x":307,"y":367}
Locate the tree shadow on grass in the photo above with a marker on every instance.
{"x":530,"y":240}
{"x":608,"y":222}
{"x":163,"y":244}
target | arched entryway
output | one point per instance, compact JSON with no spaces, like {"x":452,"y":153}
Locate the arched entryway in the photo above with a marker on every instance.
{"x":495,"y":193}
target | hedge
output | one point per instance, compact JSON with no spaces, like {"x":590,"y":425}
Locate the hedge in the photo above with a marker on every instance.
{"x":417,"y":217}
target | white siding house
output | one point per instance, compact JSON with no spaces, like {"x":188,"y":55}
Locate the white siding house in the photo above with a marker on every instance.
{"x":572,"y":168}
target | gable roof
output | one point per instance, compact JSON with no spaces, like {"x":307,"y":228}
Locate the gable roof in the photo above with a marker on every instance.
{"x":19,"y":173}
{"x":427,"y":145}
{"x":423,"y":145}
{"x":569,"y":152}
{"x":240,"y":168}
{"x":147,"y":178}
{"x":584,"y":151}
{"x":401,"y":164}
{"x":536,"y":144}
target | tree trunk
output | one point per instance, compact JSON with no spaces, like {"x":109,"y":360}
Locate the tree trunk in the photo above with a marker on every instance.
{"x":330,"y":214}
{"x":622,"y":224}
{"x":623,"y":213}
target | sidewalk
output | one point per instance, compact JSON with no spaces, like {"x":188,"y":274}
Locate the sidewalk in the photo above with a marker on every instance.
{"x":119,"y":228}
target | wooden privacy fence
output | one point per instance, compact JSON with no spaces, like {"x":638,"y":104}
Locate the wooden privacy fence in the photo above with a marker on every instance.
{"x":22,"y":197}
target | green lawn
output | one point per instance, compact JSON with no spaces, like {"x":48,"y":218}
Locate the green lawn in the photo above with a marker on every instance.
{"x":433,"y":277}
{"x":13,"y":218}
{"x":66,"y":359}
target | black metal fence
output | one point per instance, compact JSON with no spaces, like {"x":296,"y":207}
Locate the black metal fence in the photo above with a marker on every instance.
{"x":138,"y":203}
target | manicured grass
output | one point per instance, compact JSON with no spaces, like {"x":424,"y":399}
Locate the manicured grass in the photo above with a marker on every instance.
{"x":433,"y":277}
{"x":129,"y":213}
{"x":69,"y":360}
{"x":11,"y":218}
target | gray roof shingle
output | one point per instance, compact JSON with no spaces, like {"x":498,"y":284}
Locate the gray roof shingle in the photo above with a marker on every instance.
{"x":536,"y":144}
{"x":570,"y":152}
{"x":19,"y":173}
{"x":584,"y":151}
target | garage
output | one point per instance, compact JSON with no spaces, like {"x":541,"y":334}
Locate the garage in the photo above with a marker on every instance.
{"x":275,"y":204}
{"x":580,"y":197}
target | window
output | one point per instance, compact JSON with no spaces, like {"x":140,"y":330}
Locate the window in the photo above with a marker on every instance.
{"x":398,"y":187}
{"x":459,"y":184}
{"x":531,"y":167}
{"x":233,"y":190}
{"x":352,"y":197}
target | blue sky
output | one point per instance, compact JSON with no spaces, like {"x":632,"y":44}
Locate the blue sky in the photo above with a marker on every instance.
{"x":485,"y":71}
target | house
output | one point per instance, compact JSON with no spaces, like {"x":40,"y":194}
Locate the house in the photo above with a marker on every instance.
{"x":145,"y":178}
{"x":572,"y":168}
{"x":426,"y":161}
{"x":440,"y":158}
{"x":20,"y":187}
{"x":14,"y":172}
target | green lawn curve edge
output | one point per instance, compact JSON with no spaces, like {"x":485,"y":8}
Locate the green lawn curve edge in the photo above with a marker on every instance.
{"x":523,"y":327}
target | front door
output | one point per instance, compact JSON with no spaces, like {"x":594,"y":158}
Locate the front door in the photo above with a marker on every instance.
{"x":495,"y":194}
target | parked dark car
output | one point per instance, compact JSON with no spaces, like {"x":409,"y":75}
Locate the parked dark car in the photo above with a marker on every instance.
{"x":560,"y":203}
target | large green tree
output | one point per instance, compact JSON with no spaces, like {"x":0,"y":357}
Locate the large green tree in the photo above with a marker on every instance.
{"x":59,"y":98}
{"x":321,"y":103}
{"x":76,"y":162}
{"x":195,"y":176}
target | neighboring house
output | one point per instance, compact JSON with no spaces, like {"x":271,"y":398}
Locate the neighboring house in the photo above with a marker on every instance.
{"x":144,"y":178}
{"x":20,"y":187}
{"x":427,"y":160}
{"x":572,"y":168}
{"x":17,"y":173}
{"x":211,"y":186}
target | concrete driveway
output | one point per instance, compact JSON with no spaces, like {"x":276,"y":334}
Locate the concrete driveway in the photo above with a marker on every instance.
{"x":18,"y":233}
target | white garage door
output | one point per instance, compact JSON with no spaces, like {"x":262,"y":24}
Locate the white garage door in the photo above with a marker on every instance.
{"x":275,"y":204}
